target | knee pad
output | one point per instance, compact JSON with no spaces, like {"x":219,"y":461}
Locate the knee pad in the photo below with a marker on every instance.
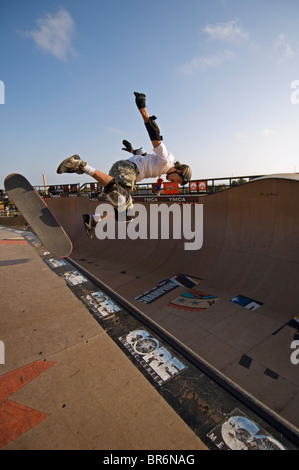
{"x":117,"y":194}
{"x":153,"y":129}
{"x":117,"y":184}
{"x":111,"y":186}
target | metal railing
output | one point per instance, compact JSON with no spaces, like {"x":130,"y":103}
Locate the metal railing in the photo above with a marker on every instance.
{"x":93,"y":189}
{"x":199,"y":186}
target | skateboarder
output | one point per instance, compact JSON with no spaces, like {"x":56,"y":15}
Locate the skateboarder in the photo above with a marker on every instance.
{"x":123,"y":175}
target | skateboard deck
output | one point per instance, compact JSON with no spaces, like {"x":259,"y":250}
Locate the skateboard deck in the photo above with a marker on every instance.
{"x":38,"y":215}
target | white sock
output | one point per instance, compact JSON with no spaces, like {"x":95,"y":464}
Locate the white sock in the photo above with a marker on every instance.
{"x":89,"y":170}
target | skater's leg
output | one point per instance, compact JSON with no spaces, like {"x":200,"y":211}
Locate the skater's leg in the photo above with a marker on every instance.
{"x":74,"y":164}
{"x":112,"y":188}
{"x":102,"y":178}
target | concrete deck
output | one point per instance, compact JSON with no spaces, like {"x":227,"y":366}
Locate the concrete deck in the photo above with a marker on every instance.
{"x":65,"y":384}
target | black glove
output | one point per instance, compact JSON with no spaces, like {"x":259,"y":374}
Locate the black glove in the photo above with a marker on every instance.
{"x":140,"y":100}
{"x":128,"y":147}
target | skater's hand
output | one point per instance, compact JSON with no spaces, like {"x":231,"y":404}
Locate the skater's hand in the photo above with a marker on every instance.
{"x":127,"y":146}
{"x":140,"y":99}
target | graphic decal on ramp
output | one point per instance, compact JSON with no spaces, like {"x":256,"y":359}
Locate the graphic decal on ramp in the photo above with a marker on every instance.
{"x":73,"y":278}
{"x":238,"y":432}
{"x":166,"y":286}
{"x":193,"y":300}
{"x":100,"y":304}
{"x":293,"y":323}
{"x":246,"y":302}
{"x":56,"y":263}
{"x":155,"y":359}
{"x":17,"y":418}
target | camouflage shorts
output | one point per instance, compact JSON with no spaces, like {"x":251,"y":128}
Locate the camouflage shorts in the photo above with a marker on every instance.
{"x":124,"y":172}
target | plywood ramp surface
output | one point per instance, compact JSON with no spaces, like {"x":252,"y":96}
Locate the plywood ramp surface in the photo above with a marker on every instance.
{"x":250,"y":249}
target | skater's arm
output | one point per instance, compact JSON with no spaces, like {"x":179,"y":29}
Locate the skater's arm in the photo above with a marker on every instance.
{"x":145,"y":117}
{"x":140,"y":100}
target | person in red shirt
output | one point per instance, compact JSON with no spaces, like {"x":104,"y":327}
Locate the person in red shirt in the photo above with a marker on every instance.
{"x":159,"y":185}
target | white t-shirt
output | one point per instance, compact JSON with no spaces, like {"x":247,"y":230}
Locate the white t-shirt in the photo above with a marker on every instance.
{"x":155,"y":164}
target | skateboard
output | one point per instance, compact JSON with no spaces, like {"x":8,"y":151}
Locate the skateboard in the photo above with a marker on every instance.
{"x":38,"y":215}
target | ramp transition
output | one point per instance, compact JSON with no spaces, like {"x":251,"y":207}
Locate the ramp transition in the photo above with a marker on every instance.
{"x":233,"y":303}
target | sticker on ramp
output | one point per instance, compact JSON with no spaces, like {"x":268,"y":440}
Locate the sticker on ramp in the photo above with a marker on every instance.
{"x":246,"y":302}
{"x":167,"y":286}
{"x":153,"y":357}
{"x":100,"y":304}
{"x":293,"y":323}
{"x":74,"y":278}
{"x":238,"y":432}
{"x":55,"y":263}
{"x":193,"y":301}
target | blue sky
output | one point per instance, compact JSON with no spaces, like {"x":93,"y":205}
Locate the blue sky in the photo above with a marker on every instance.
{"x":217,"y":73}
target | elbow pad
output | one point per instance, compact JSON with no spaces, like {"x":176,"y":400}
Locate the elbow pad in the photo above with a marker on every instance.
{"x":153,"y":129}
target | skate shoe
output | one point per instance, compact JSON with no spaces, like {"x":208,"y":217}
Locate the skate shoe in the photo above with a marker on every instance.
{"x":89,"y":224}
{"x":73,"y":164}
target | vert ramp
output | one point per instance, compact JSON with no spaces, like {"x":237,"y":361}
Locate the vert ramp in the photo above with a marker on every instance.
{"x":235,"y":301}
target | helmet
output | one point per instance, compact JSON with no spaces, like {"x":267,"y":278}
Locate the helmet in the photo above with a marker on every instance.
{"x":186,"y":174}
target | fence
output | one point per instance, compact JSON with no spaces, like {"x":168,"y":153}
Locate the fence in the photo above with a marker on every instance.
{"x":195,"y":187}
{"x":200,"y":186}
